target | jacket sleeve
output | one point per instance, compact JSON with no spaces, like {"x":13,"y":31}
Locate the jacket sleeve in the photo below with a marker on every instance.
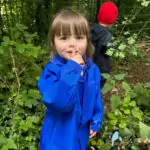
{"x":58,"y":85}
{"x":97,"y":118}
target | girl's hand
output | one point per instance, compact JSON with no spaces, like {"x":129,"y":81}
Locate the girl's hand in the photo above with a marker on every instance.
{"x":92,"y":133}
{"x":78,"y":58}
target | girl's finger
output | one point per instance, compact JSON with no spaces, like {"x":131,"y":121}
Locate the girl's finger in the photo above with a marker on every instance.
{"x":92,"y":134}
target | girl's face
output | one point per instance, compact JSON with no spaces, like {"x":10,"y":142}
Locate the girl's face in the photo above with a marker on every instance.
{"x":68,"y":46}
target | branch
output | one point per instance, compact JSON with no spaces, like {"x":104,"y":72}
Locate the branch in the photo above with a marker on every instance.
{"x":14,"y":68}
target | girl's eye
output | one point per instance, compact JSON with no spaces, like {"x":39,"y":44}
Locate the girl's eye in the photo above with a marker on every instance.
{"x":63,"y":38}
{"x":80,"y":37}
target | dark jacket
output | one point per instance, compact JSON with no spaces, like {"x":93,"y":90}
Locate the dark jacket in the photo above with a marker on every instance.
{"x":100,"y":37}
{"x":67,"y":122}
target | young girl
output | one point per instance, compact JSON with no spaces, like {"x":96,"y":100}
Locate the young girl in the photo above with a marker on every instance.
{"x":69,"y":86}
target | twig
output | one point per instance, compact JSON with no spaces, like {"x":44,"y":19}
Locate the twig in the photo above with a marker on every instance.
{"x":14,"y":68}
{"x":143,"y":27}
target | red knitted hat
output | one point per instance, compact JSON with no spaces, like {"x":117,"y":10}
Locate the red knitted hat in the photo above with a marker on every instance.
{"x":108,"y":13}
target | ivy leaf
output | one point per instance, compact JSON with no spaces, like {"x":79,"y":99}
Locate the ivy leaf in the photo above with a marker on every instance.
{"x":115,"y":102}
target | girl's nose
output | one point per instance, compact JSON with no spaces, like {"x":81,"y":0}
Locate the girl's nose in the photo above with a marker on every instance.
{"x":72,"y":42}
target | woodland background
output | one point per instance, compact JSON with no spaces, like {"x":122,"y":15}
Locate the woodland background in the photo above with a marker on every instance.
{"x":24,"y":51}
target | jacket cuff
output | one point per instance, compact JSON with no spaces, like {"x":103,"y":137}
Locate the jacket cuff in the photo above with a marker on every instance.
{"x":96,"y":125}
{"x":73,"y":64}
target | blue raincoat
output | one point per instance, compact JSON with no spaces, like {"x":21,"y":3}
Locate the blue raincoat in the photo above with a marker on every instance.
{"x":73,"y":102}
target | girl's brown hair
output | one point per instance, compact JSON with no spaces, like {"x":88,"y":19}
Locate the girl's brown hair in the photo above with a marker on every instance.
{"x":64,"y":23}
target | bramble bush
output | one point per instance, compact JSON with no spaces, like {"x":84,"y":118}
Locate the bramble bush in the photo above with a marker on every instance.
{"x":21,"y":110}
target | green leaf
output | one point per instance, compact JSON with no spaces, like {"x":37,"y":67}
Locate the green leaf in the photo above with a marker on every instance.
{"x":93,"y":142}
{"x":133,"y":103}
{"x":4,"y":147}
{"x":134,"y":51}
{"x":2,"y":140}
{"x":113,"y":122}
{"x":33,"y":93}
{"x":125,"y":132}
{"x":107,"y":87}
{"x":144,"y":130}
{"x":122,"y":46}
{"x":106,"y":75}
{"x":126,"y":101}
{"x":119,"y":76}
{"x":11,"y":144}
{"x":20,"y":48}
{"x":110,"y":52}
{"x":121,"y":54}
{"x":127,"y":111}
{"x":1,"y":50}
{"x":6,"y":41}
{"x":24,"y":126}
{"x":126,"y":86}
{"x":135,"y":147}
{"x":131,"y":40}
{"x":145,"y":3}
{"x":115,"y":102}
{"x":147,"y":85}
{"x":30,"y":102}
{"x":137,"y":113}
{"x":111,"y":116}
{"x":122,"y":124}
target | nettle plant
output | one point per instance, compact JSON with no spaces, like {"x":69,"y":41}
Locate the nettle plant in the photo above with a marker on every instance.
{"x":21,"y":110}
